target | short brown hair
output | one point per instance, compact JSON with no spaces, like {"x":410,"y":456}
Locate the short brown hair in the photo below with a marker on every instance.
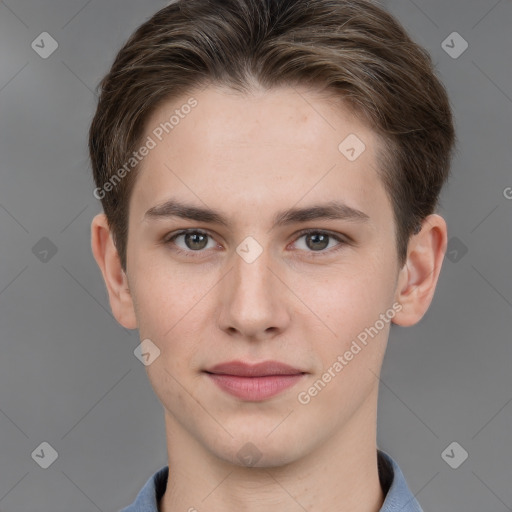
{"x":352,"y":48}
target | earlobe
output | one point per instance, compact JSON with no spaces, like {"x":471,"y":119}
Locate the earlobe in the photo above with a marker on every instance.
{"x":418,"y":277}
{"x":116,"y":282}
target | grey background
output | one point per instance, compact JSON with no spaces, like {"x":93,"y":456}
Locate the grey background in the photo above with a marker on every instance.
{"x":68,"y":375}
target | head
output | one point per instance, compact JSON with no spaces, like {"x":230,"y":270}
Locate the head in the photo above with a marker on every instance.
{"x":248,"y":109}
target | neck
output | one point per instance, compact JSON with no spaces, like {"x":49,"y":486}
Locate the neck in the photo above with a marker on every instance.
{"x":340,"y":474}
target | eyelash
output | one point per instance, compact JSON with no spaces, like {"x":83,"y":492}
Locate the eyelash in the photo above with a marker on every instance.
{"x":314,"y":254}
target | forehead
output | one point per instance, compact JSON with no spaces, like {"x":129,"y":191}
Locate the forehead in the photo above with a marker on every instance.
{"x":262,"y":148}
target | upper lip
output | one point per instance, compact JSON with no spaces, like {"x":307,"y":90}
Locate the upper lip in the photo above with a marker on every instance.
{"x":262,"y":369}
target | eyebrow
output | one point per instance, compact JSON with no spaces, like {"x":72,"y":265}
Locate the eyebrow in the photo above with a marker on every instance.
{"x":334,"y":210}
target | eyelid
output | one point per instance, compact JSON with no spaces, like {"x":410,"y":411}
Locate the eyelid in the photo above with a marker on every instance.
{"x":342,"y":239}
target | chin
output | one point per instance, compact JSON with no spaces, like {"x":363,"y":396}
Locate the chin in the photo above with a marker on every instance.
{"x":258,"y":451}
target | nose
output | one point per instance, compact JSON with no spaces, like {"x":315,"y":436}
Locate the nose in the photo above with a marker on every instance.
{"x":254,"y":299}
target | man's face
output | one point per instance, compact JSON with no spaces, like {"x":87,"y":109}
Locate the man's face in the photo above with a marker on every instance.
{"x":253,"y":291}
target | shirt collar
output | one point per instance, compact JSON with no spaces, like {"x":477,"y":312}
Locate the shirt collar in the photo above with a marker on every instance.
{"x":398,"y":497}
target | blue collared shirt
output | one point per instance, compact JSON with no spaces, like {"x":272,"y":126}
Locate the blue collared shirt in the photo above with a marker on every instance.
{"x":398,"y":495}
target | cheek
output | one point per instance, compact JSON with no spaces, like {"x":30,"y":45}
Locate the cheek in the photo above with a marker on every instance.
{"x":347,"y":296}
{"x":169,"y":310}
{"x":350,"y":351}
{"x":343,"y":317}
{"x":164,"y":295}
{"x":173,"y":309}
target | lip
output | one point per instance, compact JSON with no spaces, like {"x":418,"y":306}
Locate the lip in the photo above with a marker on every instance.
{"x":263,"y":369}
{"x":254,"y":382}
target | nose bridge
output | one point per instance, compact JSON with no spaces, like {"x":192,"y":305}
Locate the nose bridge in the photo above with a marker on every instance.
{"x":250,"y":270}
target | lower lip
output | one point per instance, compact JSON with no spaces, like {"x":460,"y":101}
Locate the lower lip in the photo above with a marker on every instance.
{"x":254,"y":388}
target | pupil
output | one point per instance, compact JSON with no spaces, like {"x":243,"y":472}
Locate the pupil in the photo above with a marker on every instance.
{"x":323,"y":241}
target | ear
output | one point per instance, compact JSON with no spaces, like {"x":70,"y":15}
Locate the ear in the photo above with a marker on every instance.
{"x":107,"y":258}
{"x":417,"y":279}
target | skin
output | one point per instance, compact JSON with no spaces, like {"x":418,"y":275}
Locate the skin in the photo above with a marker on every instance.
{"x":250,"y":156}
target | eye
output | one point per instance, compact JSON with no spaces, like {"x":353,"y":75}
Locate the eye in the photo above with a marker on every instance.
{"x":194,"y":240}
{"x":318,"y":241}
